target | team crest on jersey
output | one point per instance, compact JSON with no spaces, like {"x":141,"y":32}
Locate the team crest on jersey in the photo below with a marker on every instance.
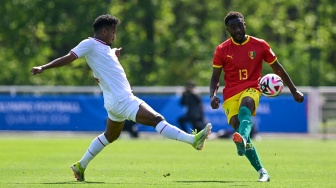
{"x":252,"y":54}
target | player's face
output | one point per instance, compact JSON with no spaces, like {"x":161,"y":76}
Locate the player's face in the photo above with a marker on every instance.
{"x":237,"y":29}
{"x":110,"y":34}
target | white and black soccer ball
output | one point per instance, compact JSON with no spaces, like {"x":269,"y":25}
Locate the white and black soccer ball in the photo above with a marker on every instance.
{"x":271,"y":85}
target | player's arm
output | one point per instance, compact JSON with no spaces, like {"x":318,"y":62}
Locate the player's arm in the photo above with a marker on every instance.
{"x":214,"y":84}
{"x":59,"y":62}
{"x":279,"y":70}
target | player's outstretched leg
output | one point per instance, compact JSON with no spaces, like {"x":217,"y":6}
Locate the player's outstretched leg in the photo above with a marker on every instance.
{"x":197,"y":140}
{"x":240,"y":143}
{"x":201,"y":137}
{"x":78,"y":171}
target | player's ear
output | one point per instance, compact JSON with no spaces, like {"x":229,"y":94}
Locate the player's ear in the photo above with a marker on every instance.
{"x":103,"y":31}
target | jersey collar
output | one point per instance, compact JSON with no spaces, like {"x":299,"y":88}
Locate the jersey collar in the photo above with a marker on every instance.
{"x":248,"y":39}
{"x":99,"y":40}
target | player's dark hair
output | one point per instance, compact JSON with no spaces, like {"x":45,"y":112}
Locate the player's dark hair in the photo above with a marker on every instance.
{"x":231,"y":16}
{"x":105,"y":20}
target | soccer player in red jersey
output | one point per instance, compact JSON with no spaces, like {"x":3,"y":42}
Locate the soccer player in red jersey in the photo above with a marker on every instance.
{"x":240,"y":58}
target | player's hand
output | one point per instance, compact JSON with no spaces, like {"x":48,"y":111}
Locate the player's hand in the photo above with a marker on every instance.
{"x":37,"y":70}
{"x":214,"y":101}
{"x":298,"y":96}
{"x":118,"y":52}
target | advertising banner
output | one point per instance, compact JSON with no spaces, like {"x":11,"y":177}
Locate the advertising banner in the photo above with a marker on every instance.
{"x":86,"y":113}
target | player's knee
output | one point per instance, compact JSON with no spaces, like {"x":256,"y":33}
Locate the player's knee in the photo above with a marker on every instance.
{"x":247,"y":102}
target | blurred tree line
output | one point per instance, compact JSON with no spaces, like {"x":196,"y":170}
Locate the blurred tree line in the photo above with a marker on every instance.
{"x":165,"y":42}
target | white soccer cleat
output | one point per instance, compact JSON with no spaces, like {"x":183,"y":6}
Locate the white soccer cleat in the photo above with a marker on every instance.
{"x":264,"y":177}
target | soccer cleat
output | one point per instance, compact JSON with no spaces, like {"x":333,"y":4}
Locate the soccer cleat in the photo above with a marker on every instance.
{"x":264,"y":177}
{"x":240,"y":143}
{"x":78,"y":171}
{"x":201,"y":137}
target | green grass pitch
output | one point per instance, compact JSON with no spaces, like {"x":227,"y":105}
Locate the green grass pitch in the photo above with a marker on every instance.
{"x":44,"y":161}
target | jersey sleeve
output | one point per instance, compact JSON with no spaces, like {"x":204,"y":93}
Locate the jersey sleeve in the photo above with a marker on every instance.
{"x":269,"y":55}
{"x":217,"y":59}
{"x":83,"y":48}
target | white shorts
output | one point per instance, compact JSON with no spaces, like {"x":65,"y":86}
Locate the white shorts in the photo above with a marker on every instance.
{"x":126,"y":109}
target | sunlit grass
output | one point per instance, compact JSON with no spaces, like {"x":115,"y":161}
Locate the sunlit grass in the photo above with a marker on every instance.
{"x":44,"y":161}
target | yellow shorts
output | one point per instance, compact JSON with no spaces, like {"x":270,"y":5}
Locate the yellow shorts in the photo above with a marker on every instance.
{"x":231,"y":105}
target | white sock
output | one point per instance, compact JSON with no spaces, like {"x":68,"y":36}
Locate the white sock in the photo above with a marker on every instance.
{"x":262,"y":170}
{"x":96,"y":146}
{"x":172,"y":132}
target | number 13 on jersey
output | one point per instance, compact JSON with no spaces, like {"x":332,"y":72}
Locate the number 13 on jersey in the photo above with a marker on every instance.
{"x":243,"y":74}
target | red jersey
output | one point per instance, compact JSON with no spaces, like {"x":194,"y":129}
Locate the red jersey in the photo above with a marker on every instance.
{"x":242,"y":63}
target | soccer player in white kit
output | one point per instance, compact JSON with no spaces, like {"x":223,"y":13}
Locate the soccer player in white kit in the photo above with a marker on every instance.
{"x":119,"y":101}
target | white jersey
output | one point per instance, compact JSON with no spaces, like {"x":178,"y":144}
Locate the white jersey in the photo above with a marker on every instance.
{"x":107,"y":70}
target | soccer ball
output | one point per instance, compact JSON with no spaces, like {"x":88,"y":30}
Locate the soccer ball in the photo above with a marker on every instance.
{"x":271,"y":85}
